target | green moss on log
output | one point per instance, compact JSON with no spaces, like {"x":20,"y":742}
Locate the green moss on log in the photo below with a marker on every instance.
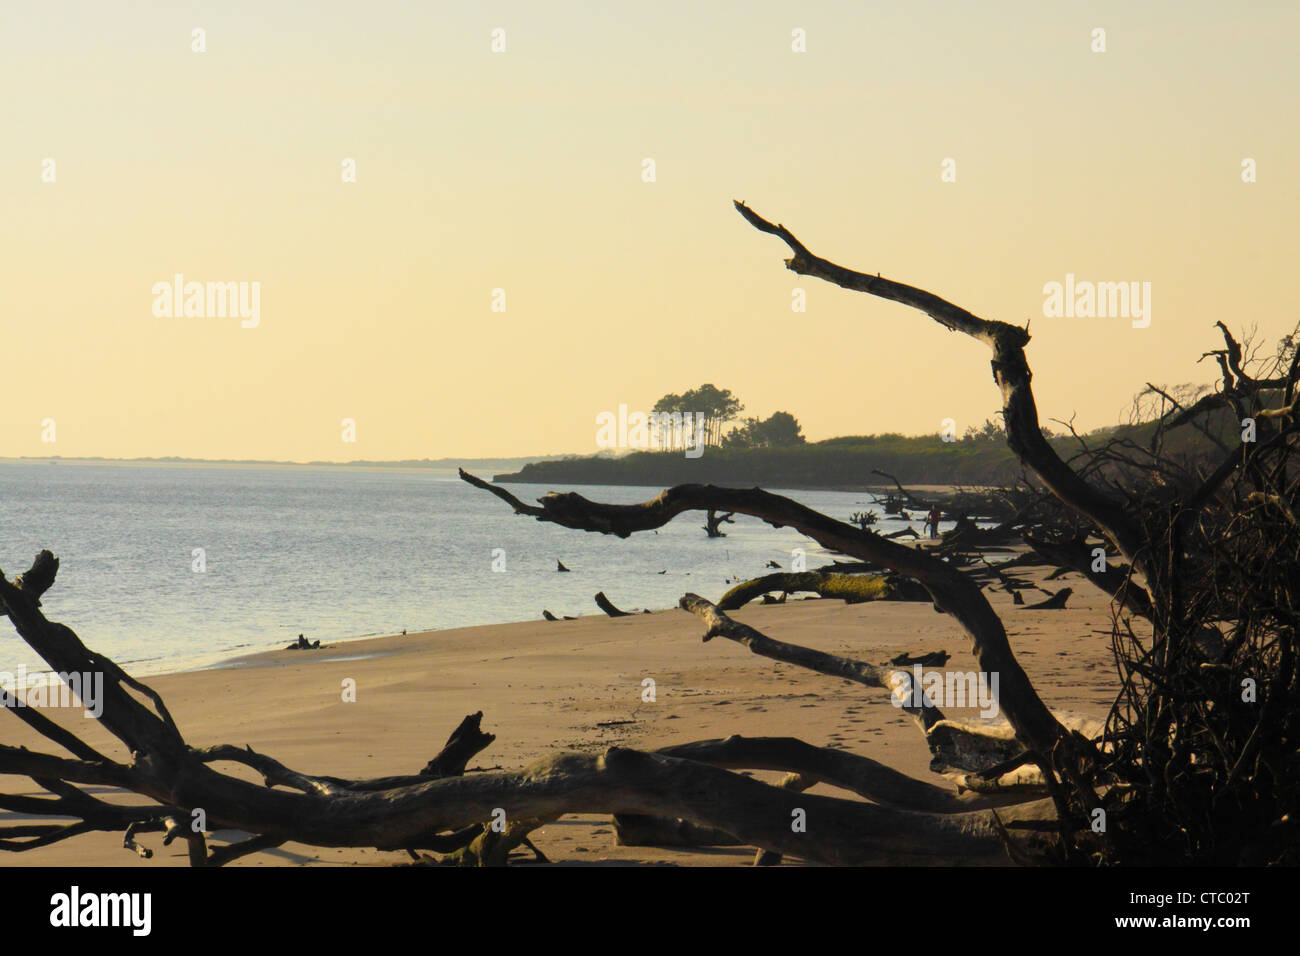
{"x":853,"y":588}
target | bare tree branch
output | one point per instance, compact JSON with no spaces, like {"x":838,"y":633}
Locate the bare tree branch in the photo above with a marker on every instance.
{"x":951,"y":589}
{"x":1010,"y":372}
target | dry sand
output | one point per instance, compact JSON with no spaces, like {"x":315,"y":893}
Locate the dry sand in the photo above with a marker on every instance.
{"x":546,"y":686}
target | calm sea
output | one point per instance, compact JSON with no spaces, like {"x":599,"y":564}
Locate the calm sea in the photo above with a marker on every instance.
{"x":335,"y":553}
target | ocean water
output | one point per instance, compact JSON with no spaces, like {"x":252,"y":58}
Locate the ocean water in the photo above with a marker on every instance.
{"x":336,"y":553}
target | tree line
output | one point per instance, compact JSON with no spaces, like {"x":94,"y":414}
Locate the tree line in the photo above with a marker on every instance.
{"x":705,"y":412}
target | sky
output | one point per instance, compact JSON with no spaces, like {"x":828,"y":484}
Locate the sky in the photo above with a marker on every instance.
{"x":524,"y":170}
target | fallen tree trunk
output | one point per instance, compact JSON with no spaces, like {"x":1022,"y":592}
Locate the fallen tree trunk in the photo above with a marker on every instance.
{"x":637,"y":829}
{"x":956,"y":747}
{"x":852,"y":588}
{"x":952,"y":590}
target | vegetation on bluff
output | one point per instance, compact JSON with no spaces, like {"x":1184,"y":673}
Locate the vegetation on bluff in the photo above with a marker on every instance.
{"x":980,"y":458}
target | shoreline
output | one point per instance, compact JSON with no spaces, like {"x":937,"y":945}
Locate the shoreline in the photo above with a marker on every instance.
{"x":449,"y":467}
{"x":236,"y":658}
{"x":577,"y":686}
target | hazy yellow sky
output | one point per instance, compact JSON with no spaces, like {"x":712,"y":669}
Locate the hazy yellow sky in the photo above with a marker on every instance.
{"x":522,"y":170}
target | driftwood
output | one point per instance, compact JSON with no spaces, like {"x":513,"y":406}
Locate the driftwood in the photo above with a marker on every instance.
{"x":853,"y":588}
{"x":1010,"y":371}
{"x":933,"y":659}
{"x":1144,"y":542}
{"x":1058,"y":752}
{"x":955,"y":746}
{"x":465,"y":743}
{"x":798,"y":782}
{"x":608,"y":607}
{"x":849,"y":567}
{"x":906,"y":495}
{"x":1054,"y":603}
{"x":1030,"y":559}
{"x":713,"y":522}
{"x":638,"y":829}
{"x":448,"y":814}
{"x":1115,"y":579}
{"x":967,"y":534}
{"x":951,"y":589}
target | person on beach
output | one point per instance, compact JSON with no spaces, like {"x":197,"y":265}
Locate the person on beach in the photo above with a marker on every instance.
{"x":932,"y":519}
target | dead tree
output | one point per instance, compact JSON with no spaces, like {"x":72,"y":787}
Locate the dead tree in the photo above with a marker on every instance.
{"x":1182,"y":767}
{"x":852,"y":588}
{"x":713,"y":524}
{"x":1147,"y":534}
{"x":903,"y":493}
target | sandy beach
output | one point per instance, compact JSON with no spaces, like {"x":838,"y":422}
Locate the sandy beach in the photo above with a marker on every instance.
{"x":575,"y":685}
